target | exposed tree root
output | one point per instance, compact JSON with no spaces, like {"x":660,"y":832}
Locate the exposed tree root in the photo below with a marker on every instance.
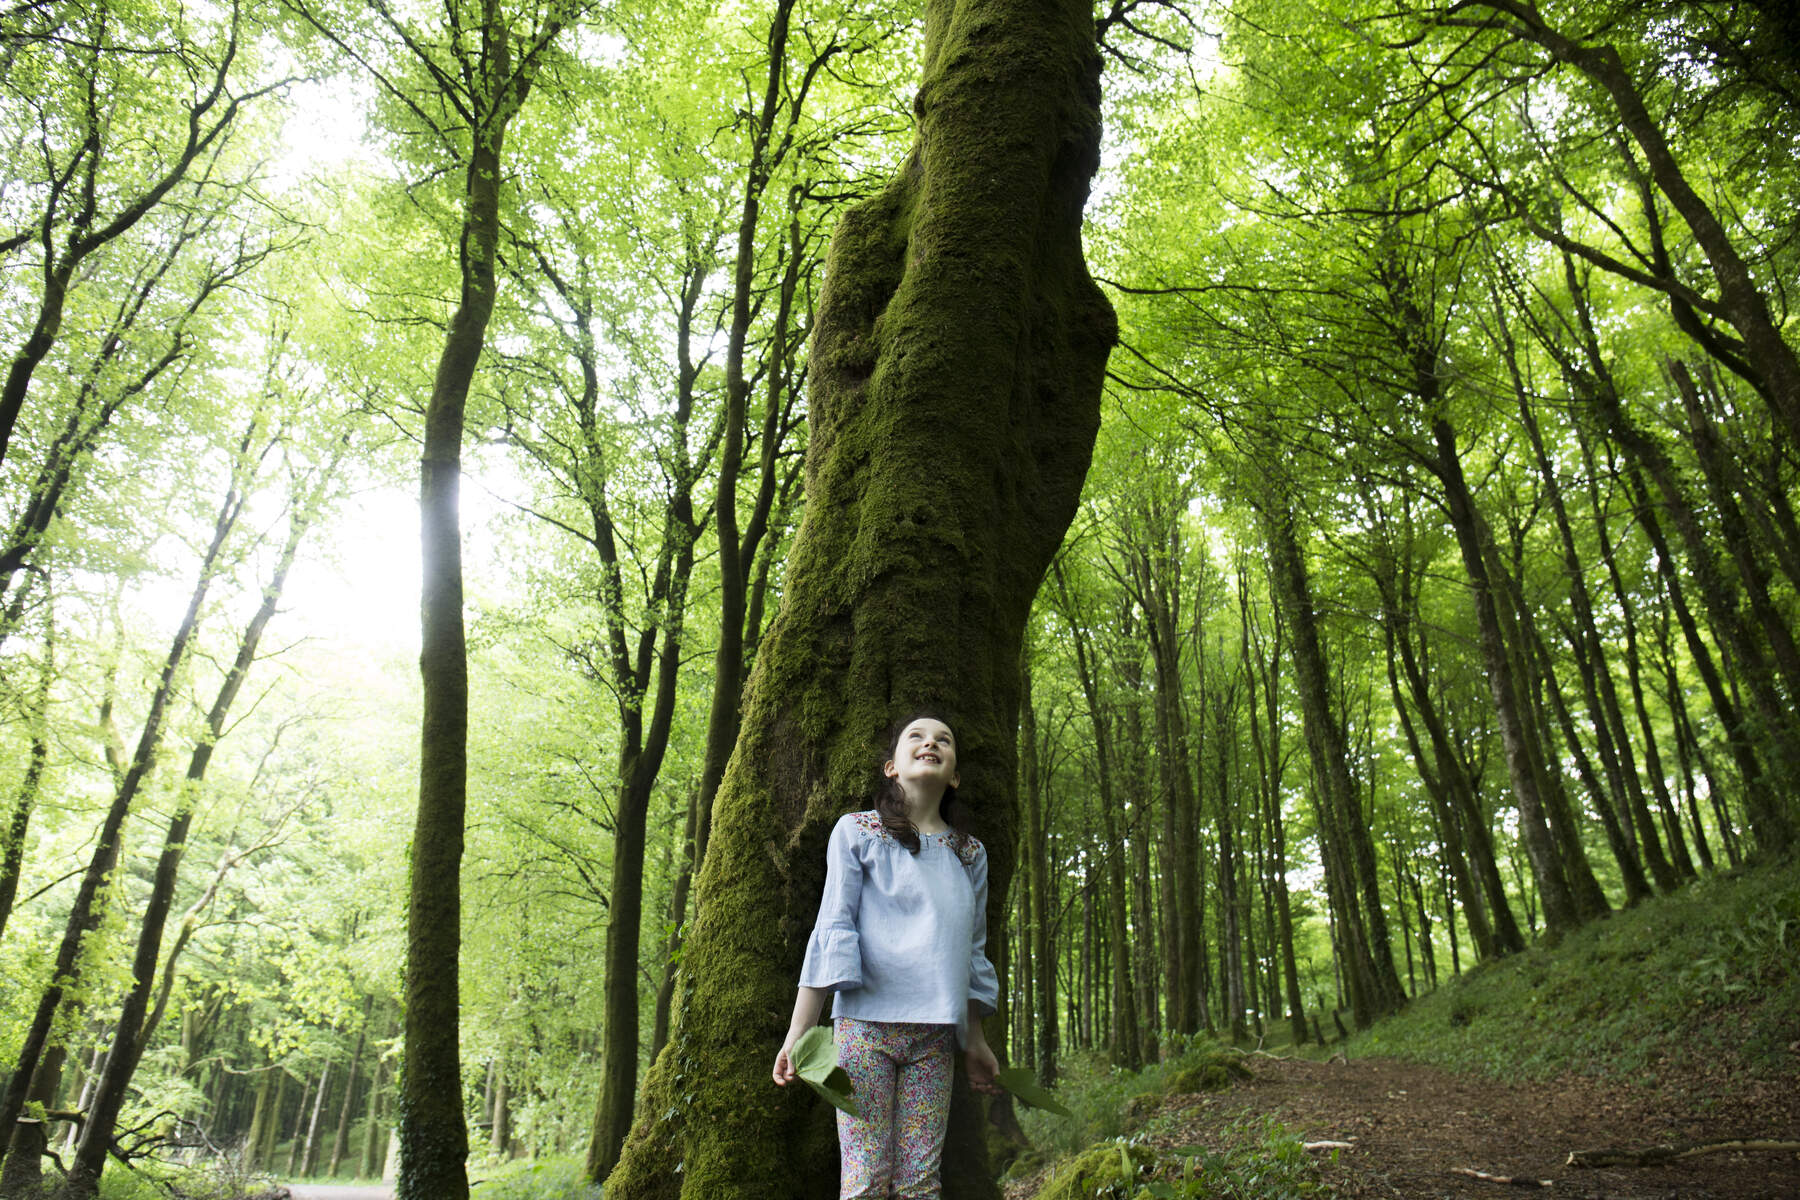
{"x":1657,"y":1155}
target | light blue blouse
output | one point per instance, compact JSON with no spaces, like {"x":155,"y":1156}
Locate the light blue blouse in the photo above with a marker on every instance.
{"x":902,"y":937}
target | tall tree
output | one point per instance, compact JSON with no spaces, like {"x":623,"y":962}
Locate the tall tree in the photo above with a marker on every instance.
{"x":479,"y":68}
{"x":131,"y":1033}
{"x":85,"y":910}
{"x":956,"y":370}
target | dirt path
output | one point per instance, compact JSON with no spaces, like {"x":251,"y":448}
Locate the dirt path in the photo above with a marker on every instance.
{"x":1412,"y":1127}
{"x":325,"y":1191}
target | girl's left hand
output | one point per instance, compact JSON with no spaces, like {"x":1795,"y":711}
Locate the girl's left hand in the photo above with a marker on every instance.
{"x":984,"y":1068}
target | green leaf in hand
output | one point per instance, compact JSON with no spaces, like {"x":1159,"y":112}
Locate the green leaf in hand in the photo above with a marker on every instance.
{"x":1024,"y":1085}
{"x":815,"y":1061}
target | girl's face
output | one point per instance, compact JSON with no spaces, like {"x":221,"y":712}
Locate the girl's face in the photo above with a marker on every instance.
{"x":924,"y":756}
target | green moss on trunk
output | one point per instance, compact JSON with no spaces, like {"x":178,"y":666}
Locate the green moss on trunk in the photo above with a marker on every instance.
{"x":957,"y":368}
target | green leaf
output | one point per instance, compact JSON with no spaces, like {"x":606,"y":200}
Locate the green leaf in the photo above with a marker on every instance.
{"x":815,"y":1059}
{"x":1024,"y":1085}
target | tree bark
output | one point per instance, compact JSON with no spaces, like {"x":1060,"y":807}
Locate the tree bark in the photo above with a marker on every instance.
{"x":957,"y":364}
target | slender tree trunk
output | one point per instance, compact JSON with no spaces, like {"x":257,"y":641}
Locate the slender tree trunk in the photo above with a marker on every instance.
{"x":84,"y":911}
{"x":24,"y":1170}
{"x":297,"y":1145}
{"x":1146,"y":964}
{"x":1037,"y":866}
{"x":1233,"y":992}
{"x":936,"y":495}
{"x":501,"y":1142}
{"x":654,"y":670}
{"x":434,"y":1137}
{"x":1590,"y":662}
{"x":260,"y":1118}
{"x":1744,"y":547}
{"x":132,"y":1031}
{"x":309,"y":1160}
{"x":1453,"y":857}
{"x":738,"y":545}
{"x":12,"y":847}
{"x":1124,"y":1039}
{"x":340,"y":1141}
{"x":1770,"y":817}
{"x":265,"y":1151}
{"x":1540,"y":843}
{"x":1682,"y":867}
{"x":678,"y":906}
{"x":1468,"y":851}
{"x":1737,"y":735}
{"x":1370,"y":996}
{"x":1155,"y":565}
{"x":374,"y":1134}
{"x":1269,"y":695}
{"x":1618,"y":837}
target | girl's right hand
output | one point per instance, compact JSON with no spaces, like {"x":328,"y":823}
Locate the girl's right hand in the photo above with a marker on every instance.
{"x":784,"y":1064}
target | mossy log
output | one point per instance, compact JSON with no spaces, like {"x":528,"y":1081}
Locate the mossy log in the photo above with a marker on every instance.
{"x":957,"y":365}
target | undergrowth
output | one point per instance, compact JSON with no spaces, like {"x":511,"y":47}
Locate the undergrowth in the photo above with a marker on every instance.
{"x":225,"y":1178}
{"x":1099,"y":1095}
{"x":563,"y":1178}
{"x":1708,"y":974}
{"x":1257,"y":1160}
{"x":1116,"y":1142}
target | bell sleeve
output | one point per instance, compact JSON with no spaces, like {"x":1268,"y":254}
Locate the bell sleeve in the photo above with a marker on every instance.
{"x":984,"y":983}
{"x":834,"y":951}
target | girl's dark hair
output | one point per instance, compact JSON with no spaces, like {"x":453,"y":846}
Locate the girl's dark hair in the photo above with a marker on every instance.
{"x":890,"y":800}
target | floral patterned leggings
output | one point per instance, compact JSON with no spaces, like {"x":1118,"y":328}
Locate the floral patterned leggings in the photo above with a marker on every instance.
{"x":901,"y":1073}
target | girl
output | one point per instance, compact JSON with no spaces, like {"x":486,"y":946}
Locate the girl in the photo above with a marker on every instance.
{"x":901,"y":939}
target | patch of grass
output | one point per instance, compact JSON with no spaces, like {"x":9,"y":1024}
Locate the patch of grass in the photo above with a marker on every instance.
{"x":1261,"y":1161}
{"x":563,"y":1178}
{"x":1711,"y":972}
{"x":219,"y":1179}
{"x":1101,"y":1097}
{"x":1114,"y":1145}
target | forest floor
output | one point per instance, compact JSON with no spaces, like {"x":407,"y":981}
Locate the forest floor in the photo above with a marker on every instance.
{"x":1413,"y":1128}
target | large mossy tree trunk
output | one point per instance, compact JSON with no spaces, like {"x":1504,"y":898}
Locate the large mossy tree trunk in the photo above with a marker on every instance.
{"x":957,"y":366}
